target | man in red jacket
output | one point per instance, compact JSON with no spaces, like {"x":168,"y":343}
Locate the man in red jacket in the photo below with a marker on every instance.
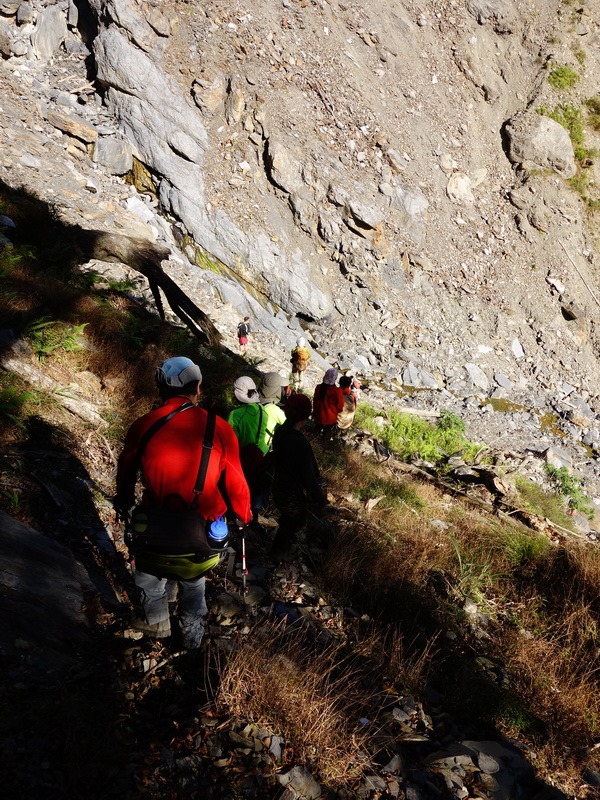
{"x":169,"y":468}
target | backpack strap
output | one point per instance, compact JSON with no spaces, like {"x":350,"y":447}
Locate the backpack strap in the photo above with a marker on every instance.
{"x":261,"y":414}
{"x":156,"y":427}
{"x":207,"y":446}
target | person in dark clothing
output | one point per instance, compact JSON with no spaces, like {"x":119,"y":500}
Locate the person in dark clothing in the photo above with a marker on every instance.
{"x":296,"y":477}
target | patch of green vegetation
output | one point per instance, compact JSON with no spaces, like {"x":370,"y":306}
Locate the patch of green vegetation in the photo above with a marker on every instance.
{"x":503,"y":406}
{"x":573,"y":120}
{"x":12,"y":256}
{"x":563,"y":77}
{"x":48,"y":336}
{"x":571,"y":487}
{"x":579,"y":183}
{"x":593,"y":107}
{"x":580,"y":55}
{"x":545,"y":504}
{"x":393,"y":490}
{"x":473,"y":577}
{"x":411,"y":437}
{"x":477,"y":695}
{"x":201,"y":258}
{"x":13,"y":497}
{"x":18,"y":401}
{"x":13,"y":400}
{"x":525,"y":548}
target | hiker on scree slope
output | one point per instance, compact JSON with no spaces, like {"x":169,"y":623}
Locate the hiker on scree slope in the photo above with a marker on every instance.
{"x":299,"y":360}
{"x":328,"y":401}
{"x":170,"y":464}
{"x":243,"y":333}
{"x":254,"y":425}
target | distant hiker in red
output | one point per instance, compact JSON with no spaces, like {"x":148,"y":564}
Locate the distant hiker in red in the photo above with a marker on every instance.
{"x":243,"y":332}
{"x":328,"y":401}
{"x":346,"y":416}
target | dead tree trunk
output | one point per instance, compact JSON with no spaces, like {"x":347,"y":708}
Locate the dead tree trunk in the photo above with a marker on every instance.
{"x":146,"y":258}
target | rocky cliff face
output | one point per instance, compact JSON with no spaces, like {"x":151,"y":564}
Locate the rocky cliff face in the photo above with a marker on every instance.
{"x":378,"y":172}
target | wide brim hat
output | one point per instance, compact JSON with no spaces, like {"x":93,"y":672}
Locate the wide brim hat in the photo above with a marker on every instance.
{"x":271,"y":386}
{"x":245,"y":390}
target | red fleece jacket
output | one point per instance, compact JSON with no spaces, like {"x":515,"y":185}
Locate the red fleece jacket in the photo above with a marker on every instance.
{"x":328,"y":401}
{"x":171,"y":461}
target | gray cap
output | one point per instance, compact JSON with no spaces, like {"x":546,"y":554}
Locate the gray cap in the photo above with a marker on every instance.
{"x":245,"y":390}
{"x":270,"y":387}
{"x":177,"y":372}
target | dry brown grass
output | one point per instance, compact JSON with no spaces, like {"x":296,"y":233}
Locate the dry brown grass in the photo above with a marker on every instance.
{"x":314,"y":695}
{"x":387,"y":562}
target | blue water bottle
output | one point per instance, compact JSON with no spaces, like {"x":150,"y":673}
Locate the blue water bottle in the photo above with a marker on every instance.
{"x":218,"y":533}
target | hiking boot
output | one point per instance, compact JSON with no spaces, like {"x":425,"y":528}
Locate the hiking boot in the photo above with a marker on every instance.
{"x":160,"y":630}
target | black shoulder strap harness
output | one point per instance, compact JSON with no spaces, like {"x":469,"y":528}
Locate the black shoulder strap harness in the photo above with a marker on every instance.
{"x":207,"y":445}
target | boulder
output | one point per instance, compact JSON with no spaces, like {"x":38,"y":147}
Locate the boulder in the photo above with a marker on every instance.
{"x":459,"y":189}
{"x":25,"y":14}
{"x":126,"y":16}
{"x":301,"y":782}
{"x":498,"y":13}
{"x":539,"y":140}
{"x":42,"y":590}
{"x":418,"y":377}
{"x":5,"y":40}
{"x":477,"y":377}
{"x":114,"y":155}
{"x":50,"y":32}
{"x":282,"y":168}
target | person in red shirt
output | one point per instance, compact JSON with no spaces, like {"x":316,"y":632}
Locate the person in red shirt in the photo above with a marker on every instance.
{"x":169,"y":468}
{"x":328,"y":401}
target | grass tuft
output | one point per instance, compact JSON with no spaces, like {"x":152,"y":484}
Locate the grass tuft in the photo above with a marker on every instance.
{"x":563,"y":77}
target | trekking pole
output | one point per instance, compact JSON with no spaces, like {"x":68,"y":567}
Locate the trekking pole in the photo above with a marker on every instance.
{"x":244,"y":568}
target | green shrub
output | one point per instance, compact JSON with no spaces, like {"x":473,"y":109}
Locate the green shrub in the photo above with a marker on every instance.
{"x":411,"y":437}
{"x":47,"y":336}
{"x":570,"y":486}
{"x":563,"y":77}
{"x":545,"y":504}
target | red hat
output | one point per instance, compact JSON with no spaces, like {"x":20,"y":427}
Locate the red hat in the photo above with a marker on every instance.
{"x":298,"y":407}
